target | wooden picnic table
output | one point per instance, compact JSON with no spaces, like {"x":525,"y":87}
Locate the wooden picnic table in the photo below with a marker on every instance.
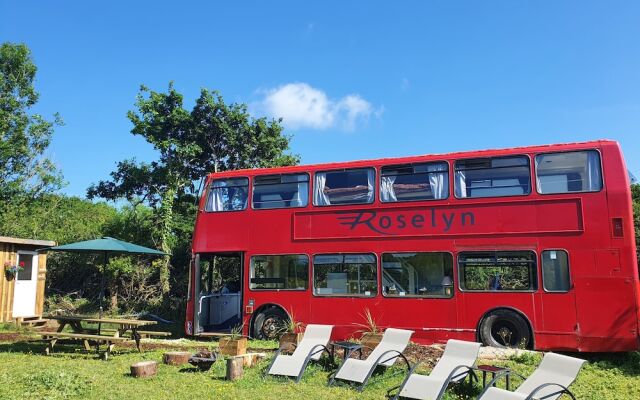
{"x":82,"y":332}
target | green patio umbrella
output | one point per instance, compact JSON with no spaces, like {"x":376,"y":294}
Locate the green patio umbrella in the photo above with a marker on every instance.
{"x":107,"y":246}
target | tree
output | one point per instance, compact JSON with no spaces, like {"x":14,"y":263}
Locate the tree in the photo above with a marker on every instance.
{"x":214,"y":136}
{"x":25,"y":172}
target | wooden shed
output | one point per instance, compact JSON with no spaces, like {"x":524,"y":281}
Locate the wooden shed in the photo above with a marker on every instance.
{"x":22,"y":295}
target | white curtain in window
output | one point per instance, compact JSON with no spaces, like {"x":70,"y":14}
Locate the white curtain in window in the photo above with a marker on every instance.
{"x":371,"y":178}
{"x":319,"y":197}
{"x":387,"y":192}
{"x":461,"y":184}
{"x":593,"y":172}
{"x":538,"y":183}
{"x":438,"y":181}
{"x":215,"y":201}
{"x":301,"y":198}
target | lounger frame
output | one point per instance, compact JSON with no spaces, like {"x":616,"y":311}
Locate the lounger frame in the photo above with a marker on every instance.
{"x":380,"y":361}
{"x":457,"y":372}
{"x":317,"y":349}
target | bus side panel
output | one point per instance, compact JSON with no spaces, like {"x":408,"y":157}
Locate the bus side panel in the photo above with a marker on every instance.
{"x":597,"y":299}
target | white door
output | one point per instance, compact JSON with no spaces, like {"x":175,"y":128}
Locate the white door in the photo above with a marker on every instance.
{"x":24,"y":295}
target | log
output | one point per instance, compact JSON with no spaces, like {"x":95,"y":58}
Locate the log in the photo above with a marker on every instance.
{"x":144,"y":369}
{"x":176,"y":357}
{"x":234,"y":368}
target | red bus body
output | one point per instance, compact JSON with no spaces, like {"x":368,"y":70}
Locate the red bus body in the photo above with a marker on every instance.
{"x":600,"y":312}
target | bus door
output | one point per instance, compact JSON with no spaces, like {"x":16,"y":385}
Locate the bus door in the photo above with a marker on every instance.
{"x":218,"y":291}
{"x":557,"y":314}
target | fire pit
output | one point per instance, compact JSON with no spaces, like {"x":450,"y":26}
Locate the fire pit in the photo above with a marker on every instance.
{"x":204,"y":360}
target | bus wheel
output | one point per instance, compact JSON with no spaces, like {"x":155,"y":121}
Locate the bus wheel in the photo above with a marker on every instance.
{"x":268,"y":324}
{"x":505,"y":328}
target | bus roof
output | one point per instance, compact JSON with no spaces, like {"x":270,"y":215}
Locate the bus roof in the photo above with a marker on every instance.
{"x":411,"y":159}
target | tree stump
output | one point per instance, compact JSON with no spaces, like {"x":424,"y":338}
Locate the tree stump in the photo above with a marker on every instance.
{"x":176,"y":357}
{"x":144,"y":369}
{"x":234,"y":368}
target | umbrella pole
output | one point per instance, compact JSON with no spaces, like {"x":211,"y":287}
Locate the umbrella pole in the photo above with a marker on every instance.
{"x":101,"y":301}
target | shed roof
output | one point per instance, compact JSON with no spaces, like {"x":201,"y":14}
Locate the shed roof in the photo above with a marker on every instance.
{"x":33,"y":242}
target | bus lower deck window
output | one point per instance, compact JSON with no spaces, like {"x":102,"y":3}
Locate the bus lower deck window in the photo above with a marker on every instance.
{"x":287,"y":272}
{"x":417,"y":275}
{"x":345,"y":275}
{"x":227,"y":195}
{"x":495,"y":271}
{"x":568,"y":172}
{"x":555,"y":271}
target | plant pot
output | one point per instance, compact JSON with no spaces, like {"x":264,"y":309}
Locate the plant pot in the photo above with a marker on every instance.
{"x":370,"y":340}
{"x":289,"y":341}
{"x":233,"y":347}
{"x":9,"y":275}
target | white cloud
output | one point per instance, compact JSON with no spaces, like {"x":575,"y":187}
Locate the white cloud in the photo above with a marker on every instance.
{"x":303,"y":106}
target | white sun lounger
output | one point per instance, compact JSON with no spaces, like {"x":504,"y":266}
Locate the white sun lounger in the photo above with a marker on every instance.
{"x":453,"y":367}
{"x":313,"y":344}
{"x":548,"y":382}
{"x":393,"y":343}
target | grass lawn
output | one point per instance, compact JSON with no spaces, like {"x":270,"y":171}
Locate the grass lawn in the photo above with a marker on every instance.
{"x":69,"y":373}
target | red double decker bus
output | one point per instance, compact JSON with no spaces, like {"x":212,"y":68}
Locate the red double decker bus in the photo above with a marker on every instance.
{"x":530,"y":246}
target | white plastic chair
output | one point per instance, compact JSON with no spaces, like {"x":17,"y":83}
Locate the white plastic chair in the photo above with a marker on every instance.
{"x":548,"y":382}
{"x":453,"y":367}
{"x":313,"y":344}
{"x":390,"y":348}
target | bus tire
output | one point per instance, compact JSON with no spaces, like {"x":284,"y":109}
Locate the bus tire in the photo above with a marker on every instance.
{"x":268,"y":323}
{"x":505,"y":328}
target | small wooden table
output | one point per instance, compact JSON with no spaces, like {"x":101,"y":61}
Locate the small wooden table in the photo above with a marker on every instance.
{"x":493,"y":370}
{"x":86,"y":334}
{"x":347,"y":347}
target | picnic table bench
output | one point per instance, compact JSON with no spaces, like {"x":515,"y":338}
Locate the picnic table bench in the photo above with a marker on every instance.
{"x":89,"y":335}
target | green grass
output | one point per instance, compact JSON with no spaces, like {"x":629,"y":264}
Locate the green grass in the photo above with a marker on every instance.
{"x":69,"y":373}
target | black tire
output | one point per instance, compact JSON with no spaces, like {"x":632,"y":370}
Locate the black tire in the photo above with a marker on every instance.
{"x":505,"y":328}
{"x":268,"y":324}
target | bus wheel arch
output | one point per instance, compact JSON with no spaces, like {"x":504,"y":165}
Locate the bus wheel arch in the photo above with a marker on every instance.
{"x":505,"y":327}
{"x":267,"y":321}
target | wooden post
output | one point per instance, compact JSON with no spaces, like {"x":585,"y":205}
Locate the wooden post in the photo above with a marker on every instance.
{"x":144,"y":369}
{"x":234,"y":368}
{"x":176,"y":357}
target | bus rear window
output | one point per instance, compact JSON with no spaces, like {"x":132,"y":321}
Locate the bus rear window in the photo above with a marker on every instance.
{"x":575,"y":171}
{"x":353,"y":186}
{"x":494,"y":271}
{"x":280,"y":191}
{"x":227,"y":195}
{"x":287,"y":272}
{"x":492,"y":177}
{"x":345,"y":275}
{"x":414,"y":182}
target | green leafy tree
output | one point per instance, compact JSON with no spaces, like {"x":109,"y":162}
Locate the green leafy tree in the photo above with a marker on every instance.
{"x":214,"y":136}
{"x":25,"y":171}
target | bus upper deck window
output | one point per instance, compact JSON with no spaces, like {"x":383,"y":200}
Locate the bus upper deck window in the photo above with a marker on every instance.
{"x":575,"y":171}
{"x":414,"y":182}
{"x":280,"y":191}
{"x":227,"y":195}
{"x":352,"y":186}
{"x":492,"y":177}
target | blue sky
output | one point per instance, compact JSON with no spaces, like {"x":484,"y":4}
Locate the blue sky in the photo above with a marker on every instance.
{"x":353,"y":80}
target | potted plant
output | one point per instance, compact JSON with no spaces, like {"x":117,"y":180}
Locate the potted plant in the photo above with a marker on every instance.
{"x":291,"y":333}
{"x":10,"y":270}
{"x":371,"y":332}
{"x":235,"y":344}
